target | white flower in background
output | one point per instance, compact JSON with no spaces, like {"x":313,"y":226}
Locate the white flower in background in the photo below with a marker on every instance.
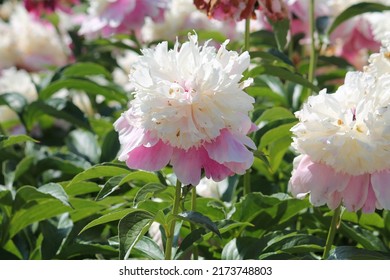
{"x":15,"y":81}
{"x":344,"y":141}
{"x":8,"y":53}
{"x":212,"y":189}
{"x":121,"y":75}
{"x":37,"y":44}
{"x":109,"y":17}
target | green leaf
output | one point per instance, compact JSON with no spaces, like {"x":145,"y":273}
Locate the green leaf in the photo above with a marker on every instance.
{"x":49,"y":191}
{"x":143,"y":176}
{"x":6,"y":141}
{"x":200,"y":220}
{"x":275,"y":134}
{"x":86,"y":251}
{"x":109,"y":187}
{"x":43,"y":210}
{"x":352,"y":253}
{"x":98,"y":171}
{"x":80,"y":69}
{"x":84,"y":143}
{"x":243,"y":248}
{"x":112,"y":216}
{"x":283,"y":74}
{"x":364,"y":237}
{"x":275,"y":114}
{"x":148,"y":191}
{"x":148,"y":248}
{"x":58,"y":108}
{"x":189,"y":241}
{"x":85,"y":85}
{"x":355,"y":10}
{"x":56,"y":191}
{"x":14,"y":101}
{"x":131,"y":228}
{"x":110,"y":147}
{"x":281,"y":29}
{"x":267,"y":211}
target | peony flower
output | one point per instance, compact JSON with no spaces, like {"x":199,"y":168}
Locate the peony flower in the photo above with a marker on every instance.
{"x":37,"y":44}
{"x":189,"y":110}
{"x":225,"y":10}
{"x":274,"y":9}
{"x":344,"y":141}
{"x":8,"y":55}
{"x":18,"y":81}
{"x":109,"y":17}
{"x":352,"y":40}
{"x":39,"y":7}
{"x":212,"y":189}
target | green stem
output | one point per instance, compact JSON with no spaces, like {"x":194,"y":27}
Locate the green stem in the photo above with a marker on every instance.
{"x":195,"y":252}
{"x":332,"y":231}
{"x":247,"y":182}
{"x":247,"y":33}
{"x":175,"y":211}
{"x":313,"y":50}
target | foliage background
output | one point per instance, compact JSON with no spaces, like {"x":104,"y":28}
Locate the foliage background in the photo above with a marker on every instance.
{"x":64,"y":195}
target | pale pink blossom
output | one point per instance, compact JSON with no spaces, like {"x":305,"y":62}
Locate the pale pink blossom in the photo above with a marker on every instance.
{"x":190,"y":111}
{"x":226,"y":10}
{"x":109,"y":17}
{"x":344,"y":142}
{"x":40,"y":7}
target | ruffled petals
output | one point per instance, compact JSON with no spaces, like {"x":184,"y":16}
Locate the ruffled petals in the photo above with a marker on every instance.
{"x":187,"y":165}
{"x":355,"y":194}
{"x":381,"y":185}
{"x":228,"y":148}
{"x":150,"y":158}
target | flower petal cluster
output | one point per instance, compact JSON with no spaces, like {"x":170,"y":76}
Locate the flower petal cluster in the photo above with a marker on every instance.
{"x":30,"y":44}
{"x":227,"y":9}
{"x":189,"y":110}
{"x":344,"y":141}
{"x":49,"y":6}
{"x":109,"y":17}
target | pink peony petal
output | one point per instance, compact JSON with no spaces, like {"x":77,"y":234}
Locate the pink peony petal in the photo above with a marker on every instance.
{"x":228,"y":148}
{"x":381,"y":186}
{"x":150,"y":158}
{"x":213,"y":169}
{"x":130,"y":137}
{"x":355,"y":194}
{"x":187,"y":165}
{"x":370,"y":204}
{"x":318,"y":179}
{"x":334,"y":200}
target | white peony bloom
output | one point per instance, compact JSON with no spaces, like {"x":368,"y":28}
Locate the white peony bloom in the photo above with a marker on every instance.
{"x":8,"y":53}
{"x":37,"y":44}
{"x":189,"y":110}
{"x":210,"y":188}
{"x":344,"y":141}
{"x":15,"y":81}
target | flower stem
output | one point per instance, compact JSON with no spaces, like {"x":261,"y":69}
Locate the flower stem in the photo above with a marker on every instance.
{"x":332,"y":231}
{"x":247,"y":33}
{"x":313,"y":51}
{"x":195,"y":252}
{"x":247,"y":182}
{"x":175,"y":211}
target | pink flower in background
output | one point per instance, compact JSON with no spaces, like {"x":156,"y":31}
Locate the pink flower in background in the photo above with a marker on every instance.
{"x":30,"y":44}
{"x":39,"y":7}
{"x":226,"y":10}
{"x":344,"y":141}
{"x":274,"y":9}
{"x":352,"y":40}
{"x":189,"y":110}
{"x":111,"y":17}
